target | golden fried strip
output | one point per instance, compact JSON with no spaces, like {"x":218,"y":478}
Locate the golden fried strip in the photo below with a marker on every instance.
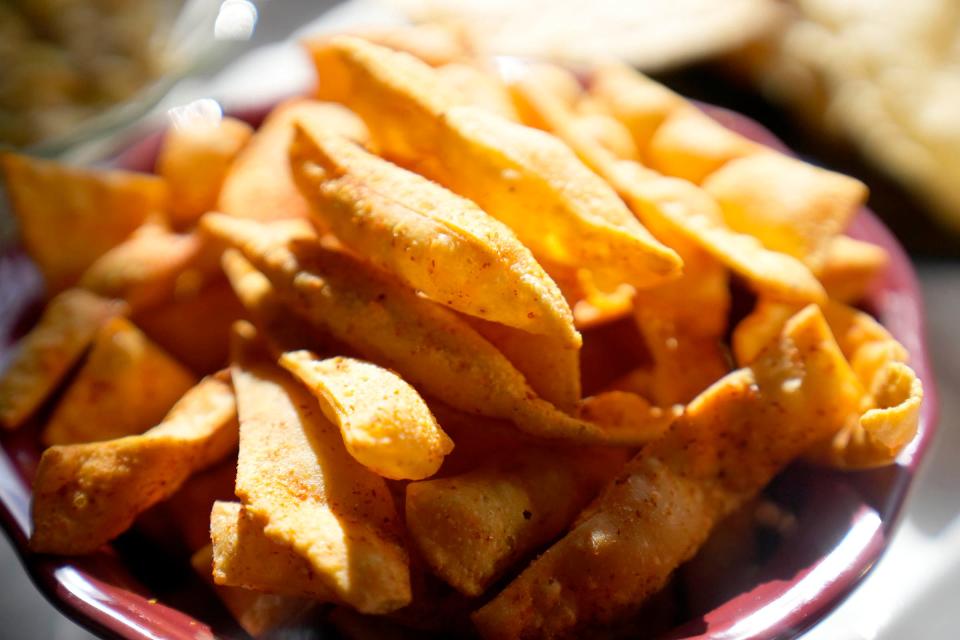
{"x":471,"y":528}
{"x":69,"y":216}
{"x":506,"y":168}
{"x":297,"y":480}
{"x":849,"y":267}
{"x":731,"y":441}
{"x":150,"y":267}
{"x":259,"y":184}
{"x":385,"y":424}
{"x":194,"y":160}
{"x":243,"y":556}
{"x":435,"y":241}
{"x":126,"y":386}
{"x":678,"y":210}
{"x":790,"y":206}
{"x":84,"y":495}
{"x":256,"y":612}
{"x":479,"y":86}
{"x":65,"y":330}
{"x":387,"y":323}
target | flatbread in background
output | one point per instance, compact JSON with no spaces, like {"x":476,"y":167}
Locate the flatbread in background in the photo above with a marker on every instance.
{"x":646,"y":33}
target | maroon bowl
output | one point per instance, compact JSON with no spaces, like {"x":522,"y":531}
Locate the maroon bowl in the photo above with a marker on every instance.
{"x":136,"y":590}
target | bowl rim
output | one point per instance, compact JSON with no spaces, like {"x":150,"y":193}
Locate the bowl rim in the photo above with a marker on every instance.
{"x":897,"y":301}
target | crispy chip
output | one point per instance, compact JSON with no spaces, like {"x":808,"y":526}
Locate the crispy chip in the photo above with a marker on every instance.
{"x":84,"y":495}
{"x":49,"y":351}
{"x":790,"y":206}
{"x":387,"y":323}
{"x":622,"y":410}
{"x":189,"y":508}
{"x":69,"y":216}
{"x":243,"y":556}
{"x":434,"y":43}
{"x":256,"y":612}
{"x":506,"y":168}
{"x":385,"y":424}
{"x":850,"y":267}
{"x":259,"y":184}
{"x":151,"y":267}
{"x":472,"y":527}
{"x":126,"y":386}
{"x":479,"y":87}
{"x":194,"y":161}
{"x":733,"y":438}
{"x":691,"y":145}
{"x":192,"y":326}
{"x":435,"y":241}
{"x":297,"y":480}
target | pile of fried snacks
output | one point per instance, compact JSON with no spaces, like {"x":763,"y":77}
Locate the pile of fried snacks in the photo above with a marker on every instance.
{"x":456,"y":336}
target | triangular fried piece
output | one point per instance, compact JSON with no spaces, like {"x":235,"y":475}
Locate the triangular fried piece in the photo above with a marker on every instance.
{"x":70,"y":216}
{"x":126,"y":386}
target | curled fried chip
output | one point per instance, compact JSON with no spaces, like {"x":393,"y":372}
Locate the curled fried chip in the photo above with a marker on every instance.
{"x":84,"y":495}
{"x":385,"y":424}
{"x":506,"y":168}
{"x":435,"y":241}
{"x":790,"y":206}
{"x":298,"y":482}
{"x":479,"y":87}
{"x":69,"y":216}
{"x":65,"y":330}
{"x":256,"y":612}
{"x":189,"y":508}
{"x":387,"y":323}
{"x":849,"y":267}
{"x":731,"y":441}
{"x":259,"y":184}
{"x":888,"y":414}
{"x":194,"y":159}
{"x":243,"y":556}
{"x":126,"y":386}
{"x":150,"y":267}
{"x":471,"y":528}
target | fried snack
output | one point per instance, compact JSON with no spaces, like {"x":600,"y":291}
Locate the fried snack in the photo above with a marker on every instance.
{"x":731,"y":441}
{"x":297,"y":480}
{"x":256,"y":612}
{"x":150,"y":267}
{"x":850,"y":267}
{"x":191,"y":327}
{"x":244,"y":556}
{"x":480,"y":87}
{"x":126,"y":386}
{"x":70,"y":216}
{"x":63,"y":333}
{"x":279,"y":326}
{"x":506,"y":168}
{"x":389,"y":324}
{"x":478,"y":439}
{"x":84,"y":495}
{"x":194,"y":160}
{"x":691,"y":145}
{"x":189,"y":508}
{"x":435,"y":241}
{"x":888,"y":414}
{"x":790,"y":206}
{"x":259,"y":184}
{"x":551,"y":368}
{"x":622,"y":410}
{"x":591,"y":306}
{"x":434,"y":43}
{"x":471,"y":528}
{"x":385,"y":424}
{"x":676,"y":209}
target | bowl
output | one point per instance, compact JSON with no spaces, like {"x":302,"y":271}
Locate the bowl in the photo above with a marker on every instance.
{"x":844,"y":520}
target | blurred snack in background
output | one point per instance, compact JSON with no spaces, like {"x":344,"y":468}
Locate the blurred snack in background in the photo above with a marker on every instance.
{"x":67,"y":60}
{"x":885,"y":73}
{"x":651,"y":34}
{"x":882,"y":74}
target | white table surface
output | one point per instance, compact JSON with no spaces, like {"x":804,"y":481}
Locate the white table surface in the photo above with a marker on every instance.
{"x":912,"y":593}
